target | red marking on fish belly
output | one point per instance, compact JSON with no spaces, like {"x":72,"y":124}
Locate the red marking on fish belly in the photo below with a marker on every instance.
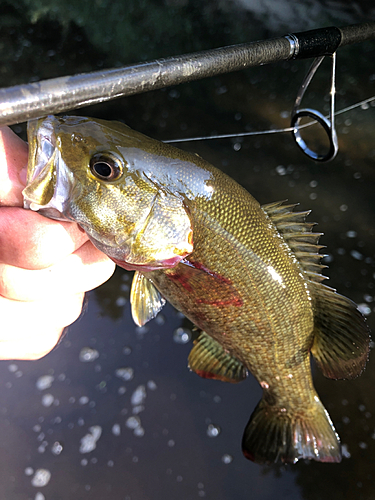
{"x":182,"y":279}
{"x":208,"y":287}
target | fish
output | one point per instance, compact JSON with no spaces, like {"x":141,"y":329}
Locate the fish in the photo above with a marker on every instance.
{"x":248,"y":276}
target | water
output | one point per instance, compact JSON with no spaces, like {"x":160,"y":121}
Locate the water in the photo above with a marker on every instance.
{"x":114,"y":411}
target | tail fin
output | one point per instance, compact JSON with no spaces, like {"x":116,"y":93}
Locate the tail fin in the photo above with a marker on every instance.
{"x":278,"y":435}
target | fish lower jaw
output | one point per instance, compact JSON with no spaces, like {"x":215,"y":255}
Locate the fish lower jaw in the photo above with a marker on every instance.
{"x":166,"y":264}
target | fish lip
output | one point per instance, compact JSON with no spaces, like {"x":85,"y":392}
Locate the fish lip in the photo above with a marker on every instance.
{"x":43,"y":148}
{"x":40,"y":132}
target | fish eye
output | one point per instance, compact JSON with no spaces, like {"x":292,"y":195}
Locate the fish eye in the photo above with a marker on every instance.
{"x":105,"y":167}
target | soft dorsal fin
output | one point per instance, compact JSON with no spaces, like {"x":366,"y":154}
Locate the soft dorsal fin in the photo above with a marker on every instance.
{"x":209,"y":360}
{"x":341,"y":334}
{"x":299,"y":236}
{"x":146,"y":301}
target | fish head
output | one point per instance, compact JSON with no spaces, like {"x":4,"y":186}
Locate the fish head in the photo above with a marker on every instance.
{"x":97,"y":173}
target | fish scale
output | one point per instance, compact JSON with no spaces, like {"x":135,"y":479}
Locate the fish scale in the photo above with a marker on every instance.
{"x":248,"y":276}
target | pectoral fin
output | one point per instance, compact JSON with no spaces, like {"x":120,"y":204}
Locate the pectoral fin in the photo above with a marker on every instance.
{"x":145,"y":299}
{"x":209,"y":360}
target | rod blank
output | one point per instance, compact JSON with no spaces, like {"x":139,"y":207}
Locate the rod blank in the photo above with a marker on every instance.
{"x":23,"y":102}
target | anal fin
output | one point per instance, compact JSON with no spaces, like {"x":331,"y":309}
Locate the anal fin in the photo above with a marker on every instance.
{"x":146,"y":301}
{"x":209,"y":360}
{"x":341,"y":334}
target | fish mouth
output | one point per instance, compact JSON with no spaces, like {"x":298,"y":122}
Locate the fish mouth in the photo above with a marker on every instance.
{"x":48,"y":181}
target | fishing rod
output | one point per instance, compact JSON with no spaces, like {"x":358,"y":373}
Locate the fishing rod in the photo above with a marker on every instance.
{"x":24,"y":102}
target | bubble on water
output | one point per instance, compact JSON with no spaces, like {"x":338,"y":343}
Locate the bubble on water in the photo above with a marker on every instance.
{"x":41,"y":436}
{"x":362,"y":445}
{"x":356,"y":255}
{"x":171,"y":443}
{"x":87,"y":355}
{"x":41,"y":478}
{"x":116,"y":429}
{"x":139,"y":395}
{"x":182,"y":335}
{"x":110,"y":463}
{"x":141,"y":330}
{"x":125,"y":373}
{"x":213,"y":430}
{"x":345,"y":451}
{"x":39,"y":496}
{"x":56,"y":448}
{"x":121,"y":390}
{"x":29,"y":471}
{"x":44,"y":382}
{"x":84,"y":462}
{"x":151,"y":385}
{"x":139,"y":432}
{"x":37,"y":428}
{"x":83,"y":400}
{"x":281,"y":170}
{"x":47,"y":400}
{"x":133,"y":423}
{"x":343,"y":208}
{"x":138,"y":409}
{"x":160,"y":319}
{"x":364,"y":309}
{"x":88,"y":442}
{"x":127,"y":350}
{"x":81,"y":421}
{"x":12,"y":368}
{"x":351,"y":234}
{"x":226,"y":458}
{"x":121,"y":301}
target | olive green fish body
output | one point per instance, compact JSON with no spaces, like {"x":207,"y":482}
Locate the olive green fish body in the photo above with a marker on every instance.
{"x":247,"y":275}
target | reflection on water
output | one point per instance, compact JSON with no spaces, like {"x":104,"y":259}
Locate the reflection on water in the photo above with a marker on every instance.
{"x":113,"y":411}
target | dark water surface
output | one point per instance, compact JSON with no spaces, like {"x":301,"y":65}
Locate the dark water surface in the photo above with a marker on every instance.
{"x":113,"y":411}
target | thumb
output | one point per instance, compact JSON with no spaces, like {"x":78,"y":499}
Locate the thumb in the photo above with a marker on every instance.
{"x":13,"y":166}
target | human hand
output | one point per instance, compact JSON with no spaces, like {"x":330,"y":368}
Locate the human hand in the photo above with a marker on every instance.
{"x":46,"y":266}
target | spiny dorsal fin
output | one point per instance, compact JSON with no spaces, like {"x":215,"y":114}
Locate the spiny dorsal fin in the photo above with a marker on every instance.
{"x":299,"y":236}
{"x":145,"y":299}
{"x":209,"y":360}
{"x":341,"y":334}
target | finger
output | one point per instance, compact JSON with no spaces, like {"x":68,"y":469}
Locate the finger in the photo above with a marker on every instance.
{"x":31,"y":241}
{"x":30,"y":330}
{"x":13,"y":163}
{"x":84,"y":270}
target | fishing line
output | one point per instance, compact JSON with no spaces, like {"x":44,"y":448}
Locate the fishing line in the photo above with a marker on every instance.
{"x":274,"y":130}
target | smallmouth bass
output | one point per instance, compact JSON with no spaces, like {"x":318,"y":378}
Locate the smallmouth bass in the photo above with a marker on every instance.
{"x":248,"y":276}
